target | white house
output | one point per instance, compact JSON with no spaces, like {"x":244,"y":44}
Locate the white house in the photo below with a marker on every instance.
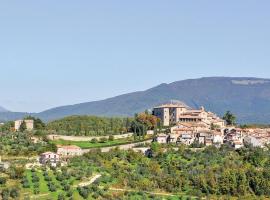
{"x":49,"y":158}
{"x":253,"y":141}
{"x":162,"y":138}
{"x":69,"y":151}
{"x":237,"y":144}
{"x":186,"y":139}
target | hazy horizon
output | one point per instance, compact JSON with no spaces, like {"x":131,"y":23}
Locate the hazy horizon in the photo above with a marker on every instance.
{"x":65,"y":52}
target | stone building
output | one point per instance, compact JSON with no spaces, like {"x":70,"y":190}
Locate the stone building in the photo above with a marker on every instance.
{"x":169,"y":112}
{"x":175,"y":111}
{"x":28,"y":122}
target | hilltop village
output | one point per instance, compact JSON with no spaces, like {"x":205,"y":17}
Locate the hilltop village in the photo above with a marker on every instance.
{"x":178,"y":124}
{"x":90,"y":157}
{"x":190,"y":126}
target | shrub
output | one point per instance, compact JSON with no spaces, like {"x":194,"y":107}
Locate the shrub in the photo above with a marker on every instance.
{"x":111,"y":137}
{"x":69,"y":193}
{"x":52,"y":187}
{"x":47,"y":178}
{"x":14,"y":193}
{"x":102,"y":140}
{"x":61,"y":197}
{"x":36,"y":191}
{"x":94,"y":140}
{"x":5,"y":194}
{"x":83,"y":192}
{"x":3,"y":180}
{"x":35,"y":179}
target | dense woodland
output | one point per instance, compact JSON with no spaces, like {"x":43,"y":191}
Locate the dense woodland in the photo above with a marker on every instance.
{"x":208,"y":172}
{"x":90,"y":125}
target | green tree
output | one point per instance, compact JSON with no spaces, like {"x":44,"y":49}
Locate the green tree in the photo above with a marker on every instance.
{"x":230,"y":118}
{"x":23,"y":127}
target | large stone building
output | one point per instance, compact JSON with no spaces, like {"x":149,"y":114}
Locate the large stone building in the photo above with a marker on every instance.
{"x":175,"y":111}
{"x":28,"y":122}
{"x":170,"y":112}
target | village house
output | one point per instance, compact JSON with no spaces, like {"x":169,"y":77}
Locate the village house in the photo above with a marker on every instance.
{"x":69,"y":151}
{"x":234,"y":137}
{"x":49,"y":158}
{"x":253,"y":141}
{"x":218,"y":138}
{"x":237,"y":144}
{"x":173,"y":138}
{"x":161,"y":138}
{"x":28,"y":122}
{"x":186,"y":139}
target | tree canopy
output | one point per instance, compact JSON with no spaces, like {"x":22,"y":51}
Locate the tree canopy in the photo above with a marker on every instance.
{"x":230,"y":118}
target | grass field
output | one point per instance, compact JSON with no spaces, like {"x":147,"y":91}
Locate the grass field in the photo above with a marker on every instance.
{"x":88,"y":145}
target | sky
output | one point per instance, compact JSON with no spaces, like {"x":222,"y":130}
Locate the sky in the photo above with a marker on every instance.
{"x":64,"y":52}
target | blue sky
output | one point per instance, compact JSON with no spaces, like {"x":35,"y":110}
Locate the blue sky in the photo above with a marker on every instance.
{"x":64,"y":52}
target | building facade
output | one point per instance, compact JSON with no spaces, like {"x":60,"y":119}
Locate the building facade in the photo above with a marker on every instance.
{"x":169,"y":113}
{"x":49,"y":158}
{"x":175,"y":111}
{"x":29,"y":124}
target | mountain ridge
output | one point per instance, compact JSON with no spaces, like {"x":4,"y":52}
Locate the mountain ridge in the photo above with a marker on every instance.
{"x":2,"y":109}
{"x":247,"y":97}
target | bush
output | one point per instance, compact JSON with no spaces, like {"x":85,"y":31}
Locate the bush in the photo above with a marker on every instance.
{"x":26,"y":184}
{"x":3,"y":180}
{"x":111,"y":137}
{"x":61,"y":197}
{"x":52,"y":187}
{"x":36,"y":185}
{"x":102,"y":140}
{"x":5,"y":194}
{"x":94,"y":140}
{"x":36,"y":191}
{"x":47,"y":178}
{"x":35,"y":179}
{"x":83,"y":192}
{"x":66,"y":187}
{"x":69,"y":193}
{"x":14,"y":193}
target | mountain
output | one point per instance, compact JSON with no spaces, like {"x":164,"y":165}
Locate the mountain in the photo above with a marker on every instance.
{"x":248,"y":98}
{"x":2,"y":109}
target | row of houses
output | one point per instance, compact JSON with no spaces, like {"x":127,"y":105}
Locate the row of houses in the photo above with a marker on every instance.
{"x":236,"y":137}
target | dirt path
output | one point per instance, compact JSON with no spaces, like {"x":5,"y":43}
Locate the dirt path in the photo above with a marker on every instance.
{"x":39,"y":195}
{"x":92,"y":180}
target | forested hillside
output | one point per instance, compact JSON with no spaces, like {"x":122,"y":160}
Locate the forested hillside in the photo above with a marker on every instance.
{"x":90,"y":125}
